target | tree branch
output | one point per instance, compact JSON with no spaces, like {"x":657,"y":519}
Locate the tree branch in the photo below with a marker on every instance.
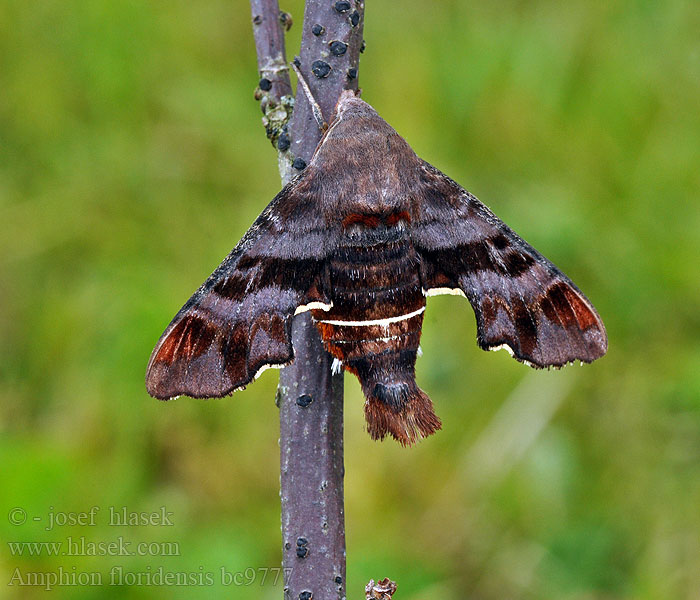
{"x":268,"y":32}
{"x":310,"y":398}
{"x":274,"y":88}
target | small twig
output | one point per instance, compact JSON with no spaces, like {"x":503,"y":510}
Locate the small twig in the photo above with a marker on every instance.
{"x":269,"y":45}
{"x":382,"y":590}
{"x":318,"y":115}
{"x":274,"y":88}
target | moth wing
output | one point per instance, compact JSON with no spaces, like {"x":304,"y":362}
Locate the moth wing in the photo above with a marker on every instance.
{"x":521,"y":300}
{"x":239,"y":321}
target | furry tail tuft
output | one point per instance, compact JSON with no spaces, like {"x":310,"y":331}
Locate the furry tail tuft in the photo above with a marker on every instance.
{"x":401,"y":410}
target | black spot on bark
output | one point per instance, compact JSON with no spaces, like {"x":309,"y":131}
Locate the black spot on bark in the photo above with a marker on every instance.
{"x":338,"y":48}
{"x":302,"y":550}
{"x":286,"y":20}
{"x":283,"y":142}
{"x":304,"y":400}
{"x":321,"y":68}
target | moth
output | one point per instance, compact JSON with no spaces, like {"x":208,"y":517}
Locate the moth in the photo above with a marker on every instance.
{"x":360,"y":238}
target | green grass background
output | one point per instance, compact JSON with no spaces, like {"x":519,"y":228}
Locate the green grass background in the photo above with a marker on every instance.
{"x":132,"y":159}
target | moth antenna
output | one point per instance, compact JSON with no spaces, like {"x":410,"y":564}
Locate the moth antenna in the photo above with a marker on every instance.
{"x":315,"y":108}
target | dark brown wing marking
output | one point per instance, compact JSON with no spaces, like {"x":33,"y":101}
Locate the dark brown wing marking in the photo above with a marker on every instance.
{"x":522,"y":301}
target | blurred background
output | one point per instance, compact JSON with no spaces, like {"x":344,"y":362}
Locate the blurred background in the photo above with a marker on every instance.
{"x":132,"y":159}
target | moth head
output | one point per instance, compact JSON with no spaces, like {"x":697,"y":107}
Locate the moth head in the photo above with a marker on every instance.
{"x":347,"y":100}
{"x":353,"y":116}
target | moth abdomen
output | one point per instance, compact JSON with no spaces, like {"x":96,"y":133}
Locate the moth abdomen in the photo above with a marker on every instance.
{"x":374,"y":329}
{"x":348,"y":343}
{"x":372,"y":299}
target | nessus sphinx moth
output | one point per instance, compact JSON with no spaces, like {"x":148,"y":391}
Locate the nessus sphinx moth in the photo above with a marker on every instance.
{"x":360,"y":238}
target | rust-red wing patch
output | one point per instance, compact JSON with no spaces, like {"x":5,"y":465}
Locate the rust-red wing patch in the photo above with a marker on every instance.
{"x":585,"y":315}
{"x":367,"y":220}
{"x":396,"y":217}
